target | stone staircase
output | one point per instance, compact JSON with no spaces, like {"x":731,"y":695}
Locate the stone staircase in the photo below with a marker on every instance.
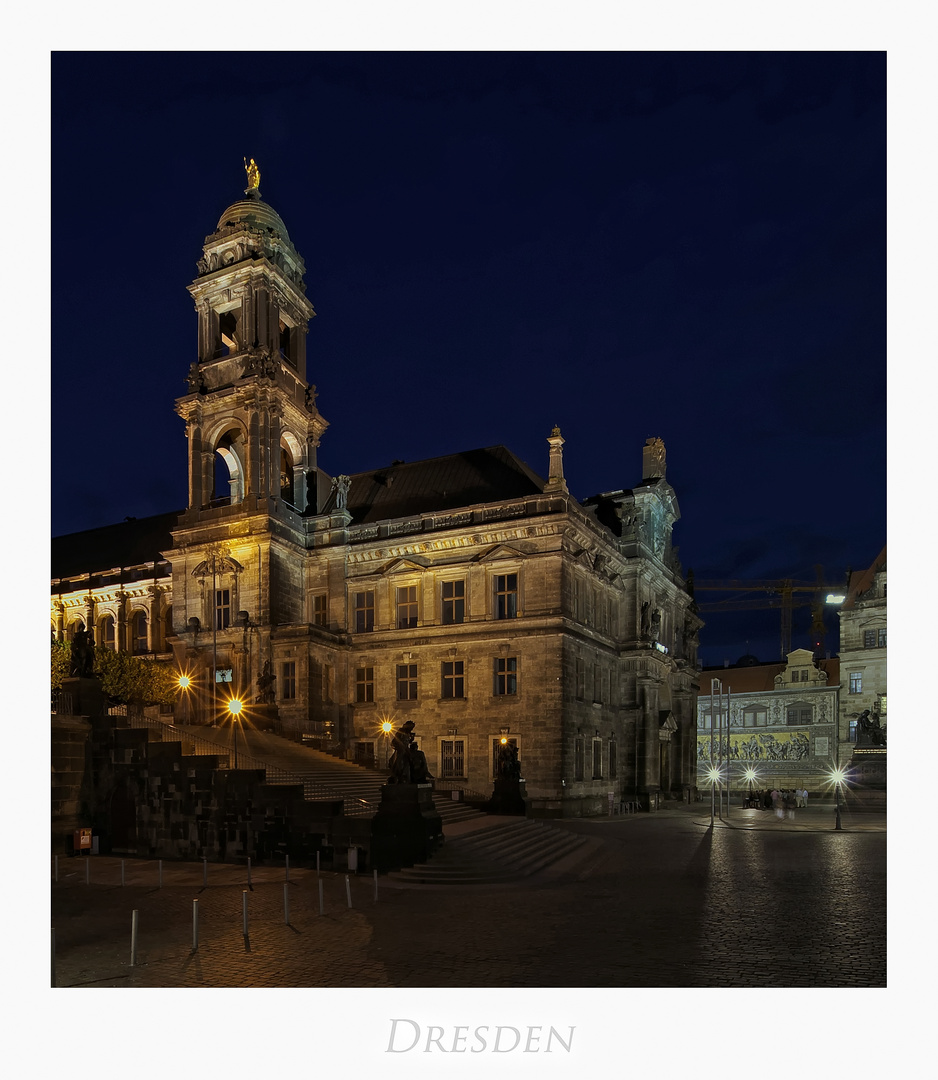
{"x":507,"y":850}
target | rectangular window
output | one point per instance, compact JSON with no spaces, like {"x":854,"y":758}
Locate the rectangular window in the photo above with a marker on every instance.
{"x":454,"y":602}
{"x":288,"y":680}
{"x":407,"y":607}
{"x":364,"y":612}
{"x":869,"y":639}
{"x":597,"y":759}
{"x":222,"y":609}
{"x":496,"y":750}
{"x":798,"y":714}
{"x":856,"y":682}
{"x":506,"y":675}
{"x":452,"y":758}
{"x":881,"y":638}
{"x":613,"y":762}
{"x":754,"y":718}
{"x":506,"y":596}
{"x":319,"y":609}
{"x":578,"y":758}
{"x":852,"y":731}
{"x":364,"y":684}
{"x":454,"y":679}
{"x":406,"y":682}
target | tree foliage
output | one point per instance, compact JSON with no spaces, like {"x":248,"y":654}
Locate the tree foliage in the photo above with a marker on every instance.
{"x":126,"y":679}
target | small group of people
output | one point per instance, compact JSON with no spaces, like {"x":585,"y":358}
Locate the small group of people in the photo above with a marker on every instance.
{"x":782,"y":802}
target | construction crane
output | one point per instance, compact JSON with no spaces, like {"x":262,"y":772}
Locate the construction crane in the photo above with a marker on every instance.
{"x":780,"y":593}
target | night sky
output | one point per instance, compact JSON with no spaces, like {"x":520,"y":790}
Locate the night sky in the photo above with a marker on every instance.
{"x":683,"y":245}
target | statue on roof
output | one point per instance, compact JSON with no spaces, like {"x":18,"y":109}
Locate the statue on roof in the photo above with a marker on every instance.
{"x":340,"y":486}
{"x":254,"y":174}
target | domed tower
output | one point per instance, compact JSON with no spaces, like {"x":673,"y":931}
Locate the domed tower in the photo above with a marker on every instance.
{"x":251,"y":417}
{"x":253,"y":430}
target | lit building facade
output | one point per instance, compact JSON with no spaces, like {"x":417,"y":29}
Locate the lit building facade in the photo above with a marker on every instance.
{"x":863,"y":652}
{"x":782,"y":723}
{"x":464,"y":592}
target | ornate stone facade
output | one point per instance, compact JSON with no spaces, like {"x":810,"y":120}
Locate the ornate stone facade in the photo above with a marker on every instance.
{"x":463,"y":592}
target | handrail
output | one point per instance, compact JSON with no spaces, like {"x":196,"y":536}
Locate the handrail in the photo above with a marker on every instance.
{"x":352,"y":806}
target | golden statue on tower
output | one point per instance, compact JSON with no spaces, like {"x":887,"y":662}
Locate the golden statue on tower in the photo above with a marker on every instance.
{"x":254,"y":174}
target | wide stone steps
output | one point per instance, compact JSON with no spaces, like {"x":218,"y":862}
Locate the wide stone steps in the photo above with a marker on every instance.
{"x":497,"y":854}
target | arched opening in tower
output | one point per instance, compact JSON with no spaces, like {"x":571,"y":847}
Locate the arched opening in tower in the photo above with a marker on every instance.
{"x":286,"y":476}
{"x":229,"y":469}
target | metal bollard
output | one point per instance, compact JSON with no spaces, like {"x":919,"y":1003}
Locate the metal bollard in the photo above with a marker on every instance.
{"x":287,"y":868}
{"x":244,"y":911}
{"x":195,"y":925}
{"x":317,"y":864}
{"x":249,"y":872}
{"x":320,"y":899}
{"x":286,"y":903}
{"x":348,"y":891}
{"x":133,"y":937}
{"x":88,"y":870}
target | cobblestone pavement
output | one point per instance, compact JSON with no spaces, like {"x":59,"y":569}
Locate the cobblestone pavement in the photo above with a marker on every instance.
{"x":664,"y":902}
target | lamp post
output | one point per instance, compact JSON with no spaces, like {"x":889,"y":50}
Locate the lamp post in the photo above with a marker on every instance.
{"x":750,"y":775}
{"x":387,"y":727}
{"x":184,"y":682}
{"x":235,"y":705}
{"x":838,"y":777}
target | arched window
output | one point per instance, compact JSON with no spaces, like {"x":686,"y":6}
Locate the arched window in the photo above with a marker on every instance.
{"x":228,"y":479}
{"x":106,"y":634}
{"x":138,"y":632}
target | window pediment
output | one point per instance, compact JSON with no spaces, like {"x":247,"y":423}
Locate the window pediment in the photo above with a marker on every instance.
{"x":407,"y":565}
{"x":501,"y":551}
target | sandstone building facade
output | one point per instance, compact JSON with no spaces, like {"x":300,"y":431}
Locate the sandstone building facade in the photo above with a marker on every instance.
{"x":464,"y":592}
{"x":863,"y":652}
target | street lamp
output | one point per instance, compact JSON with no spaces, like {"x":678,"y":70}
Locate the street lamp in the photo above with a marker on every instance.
{"x":714,"y":776}
{"x":387,"y":726}
{"x":750,"y":774}
{"x":235,"y":705}
{"x":838,"y":777}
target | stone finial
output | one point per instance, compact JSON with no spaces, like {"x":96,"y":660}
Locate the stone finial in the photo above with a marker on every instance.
{"x":555,"y":480}
{"x":653,"y":460}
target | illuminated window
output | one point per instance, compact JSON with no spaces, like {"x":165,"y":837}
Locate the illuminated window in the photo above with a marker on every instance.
{"x":138,"y":631}
{"x":288,"y":680}
{"x":754,"y":718}
{"x":222,"y":608}
{"x":506,"y":596}
{"x":856,"y":682}
{"x":364,"y":612}
{"x":454,"y":602}
{"x":506,"y":675}
{"x":106,"y":634}
{"x":407,"y":607}
{"x":319,"y":609}
{"x":454,"y":679}
{"x":364,"y":684}
{"x":406,"y":682}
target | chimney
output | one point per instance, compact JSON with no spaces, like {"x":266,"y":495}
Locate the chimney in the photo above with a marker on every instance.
{"x":653,"y":460}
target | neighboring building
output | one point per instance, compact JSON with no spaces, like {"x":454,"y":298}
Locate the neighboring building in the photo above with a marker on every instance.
{"x":782,"y":721}
{"x":463,"y":592}
{"x":863,"y":651}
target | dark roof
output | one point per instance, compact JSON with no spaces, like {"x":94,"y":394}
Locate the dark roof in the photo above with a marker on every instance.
{"x":130,"y":543}
{"x":862,"y":580}
{"x":759,"y":678}
{"x":437,"y":484}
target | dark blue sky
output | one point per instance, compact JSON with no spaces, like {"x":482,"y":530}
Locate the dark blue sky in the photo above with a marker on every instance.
{"x":686,"y":245}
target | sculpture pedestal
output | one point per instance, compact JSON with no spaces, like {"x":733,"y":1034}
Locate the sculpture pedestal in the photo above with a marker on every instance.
{"x":264,"y":717}
{"x":508,"y":797}
{"x":406,"y":829}
{"x":867,"y":778}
